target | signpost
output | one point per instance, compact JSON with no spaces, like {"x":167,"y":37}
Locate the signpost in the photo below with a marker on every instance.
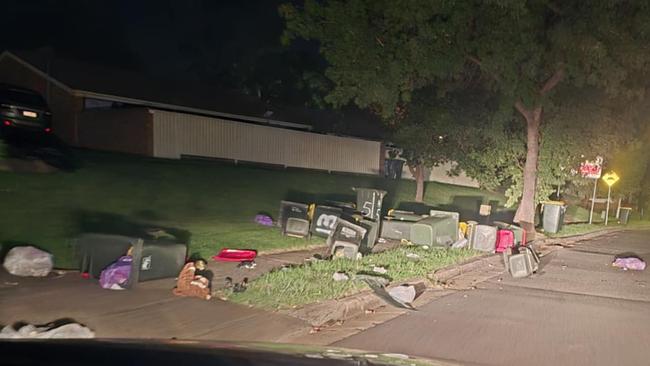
{"x":610,"y":179}
{"x":592,"y":170}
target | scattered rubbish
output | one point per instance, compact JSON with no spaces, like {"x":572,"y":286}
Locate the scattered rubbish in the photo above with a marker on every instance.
{"x":236,"y":287}
{"x":404,"y":294}
{"x":381,"y":240}
{"x":380,"y":270}
{"x":85,"y":275}
{"x":264,"y":220}
{"x":235,"y":255}
{"x":425,"y":247}
{"x":53,"y":330}
{"x":405,"y":242}
{"x":7,"y":283}
{"x":399,"y":296}
{"x":632,"y":263}
{"x":247,"y":264}
{"x":412,"y":256}
{"x":564,"y":267}
{"x":194,"y":281}
{"x":241,"y":286}
{"x":340,"y":276}
{"x":28,"y":261}
{"x":462,"y":243}
{"x":374,"y":279}
{"x":369,"y":311}
{"x":524,"y":263}
{"x":116,"y":275}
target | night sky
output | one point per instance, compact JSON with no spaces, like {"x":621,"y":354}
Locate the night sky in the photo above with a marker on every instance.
{"x":235,"y":44}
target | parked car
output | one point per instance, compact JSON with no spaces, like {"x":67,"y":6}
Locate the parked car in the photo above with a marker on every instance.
{"x":23,"y":109}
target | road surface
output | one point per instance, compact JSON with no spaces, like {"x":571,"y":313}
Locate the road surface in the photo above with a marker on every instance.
{"x":577,"y":311}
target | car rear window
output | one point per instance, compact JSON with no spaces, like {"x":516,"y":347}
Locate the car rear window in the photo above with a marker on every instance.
{"x":22,"y":98}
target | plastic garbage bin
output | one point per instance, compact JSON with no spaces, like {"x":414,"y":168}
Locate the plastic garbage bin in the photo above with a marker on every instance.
{"x":346,"y":239}
{"x":624,"y":216}
{"x":553,"y":216}
{"x":438,"y":230}
{"x":369,"y":202}
{"x":324,"y":220}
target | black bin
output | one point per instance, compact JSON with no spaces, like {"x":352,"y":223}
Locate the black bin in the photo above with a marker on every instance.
{"x":324,"y":220}
{"x":152,"y":259}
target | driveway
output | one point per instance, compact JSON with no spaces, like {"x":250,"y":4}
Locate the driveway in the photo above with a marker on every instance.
{"x":577,"y":311}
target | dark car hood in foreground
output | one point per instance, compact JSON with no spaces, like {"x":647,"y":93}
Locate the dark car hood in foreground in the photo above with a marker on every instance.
{"x":54,"y":352}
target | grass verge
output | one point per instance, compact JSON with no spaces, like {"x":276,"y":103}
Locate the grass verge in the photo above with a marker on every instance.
{"x":310,"y":283}
{"x":208,"y":205}
{"x":579,"y":229}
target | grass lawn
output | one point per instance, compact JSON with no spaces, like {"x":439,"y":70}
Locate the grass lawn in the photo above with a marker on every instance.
{"x":295,"y":286}
{"x":210,"y":205}
{"x":579,"y":229}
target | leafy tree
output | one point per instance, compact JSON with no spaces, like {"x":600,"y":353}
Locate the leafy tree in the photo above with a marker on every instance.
{"x":380,"y":52}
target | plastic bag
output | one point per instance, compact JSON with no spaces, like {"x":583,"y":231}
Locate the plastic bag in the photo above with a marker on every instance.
{"x":28,"y":261}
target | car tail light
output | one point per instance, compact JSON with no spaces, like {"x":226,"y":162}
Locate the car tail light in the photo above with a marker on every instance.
{"x":48,"y":130}
{"x":6,"y":123}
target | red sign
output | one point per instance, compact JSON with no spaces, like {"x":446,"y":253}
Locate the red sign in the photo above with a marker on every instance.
{"x":591,"y":170}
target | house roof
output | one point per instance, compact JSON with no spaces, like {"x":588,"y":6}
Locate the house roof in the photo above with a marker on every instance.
{"x":90,"y":80}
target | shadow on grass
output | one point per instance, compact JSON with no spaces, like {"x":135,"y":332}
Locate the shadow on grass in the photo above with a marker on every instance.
{"x":108,"y":223}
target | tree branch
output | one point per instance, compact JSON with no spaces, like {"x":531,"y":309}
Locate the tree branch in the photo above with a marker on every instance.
{"x":521,"y":108}
{"x":553,"y":81}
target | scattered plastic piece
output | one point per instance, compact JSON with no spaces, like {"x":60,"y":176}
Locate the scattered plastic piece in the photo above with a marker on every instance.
{"x":28,"y":261}
{"x":247,"y":264}
{"x":632,"y":263}
{"x":462,"y":243}
{"x":265,"y":220}
{"x":412,"y":256}
{"x":340,"y":276}
{"x":70,"y":330}
{"x":116,"y":275}
{"x":380,"y":270}
{"x":235,"y":255}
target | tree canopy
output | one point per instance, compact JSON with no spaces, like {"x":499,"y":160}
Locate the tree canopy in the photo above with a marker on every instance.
{"x":379,"y":52}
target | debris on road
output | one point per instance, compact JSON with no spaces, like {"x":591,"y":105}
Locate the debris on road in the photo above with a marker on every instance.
{"x":53,"y":330}
{"x":28,"y":261}
{"x":632,"y":262}
{"x":247,"y":264}
{"x":116,"y":275}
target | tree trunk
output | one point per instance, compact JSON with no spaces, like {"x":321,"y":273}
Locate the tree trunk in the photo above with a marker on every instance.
{"x":418,"y":173}
{"x":525,"y":214}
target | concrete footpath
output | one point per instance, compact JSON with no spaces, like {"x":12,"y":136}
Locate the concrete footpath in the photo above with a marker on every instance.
{"x":150,"y":310}
{"x":578,"y":310}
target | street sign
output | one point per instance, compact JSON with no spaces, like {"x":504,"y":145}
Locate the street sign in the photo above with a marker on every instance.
{"x":611,"y":178}
{"x":591,"y":169}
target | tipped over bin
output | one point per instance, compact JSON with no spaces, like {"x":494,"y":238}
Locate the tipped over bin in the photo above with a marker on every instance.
{"x":553,"y":216}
